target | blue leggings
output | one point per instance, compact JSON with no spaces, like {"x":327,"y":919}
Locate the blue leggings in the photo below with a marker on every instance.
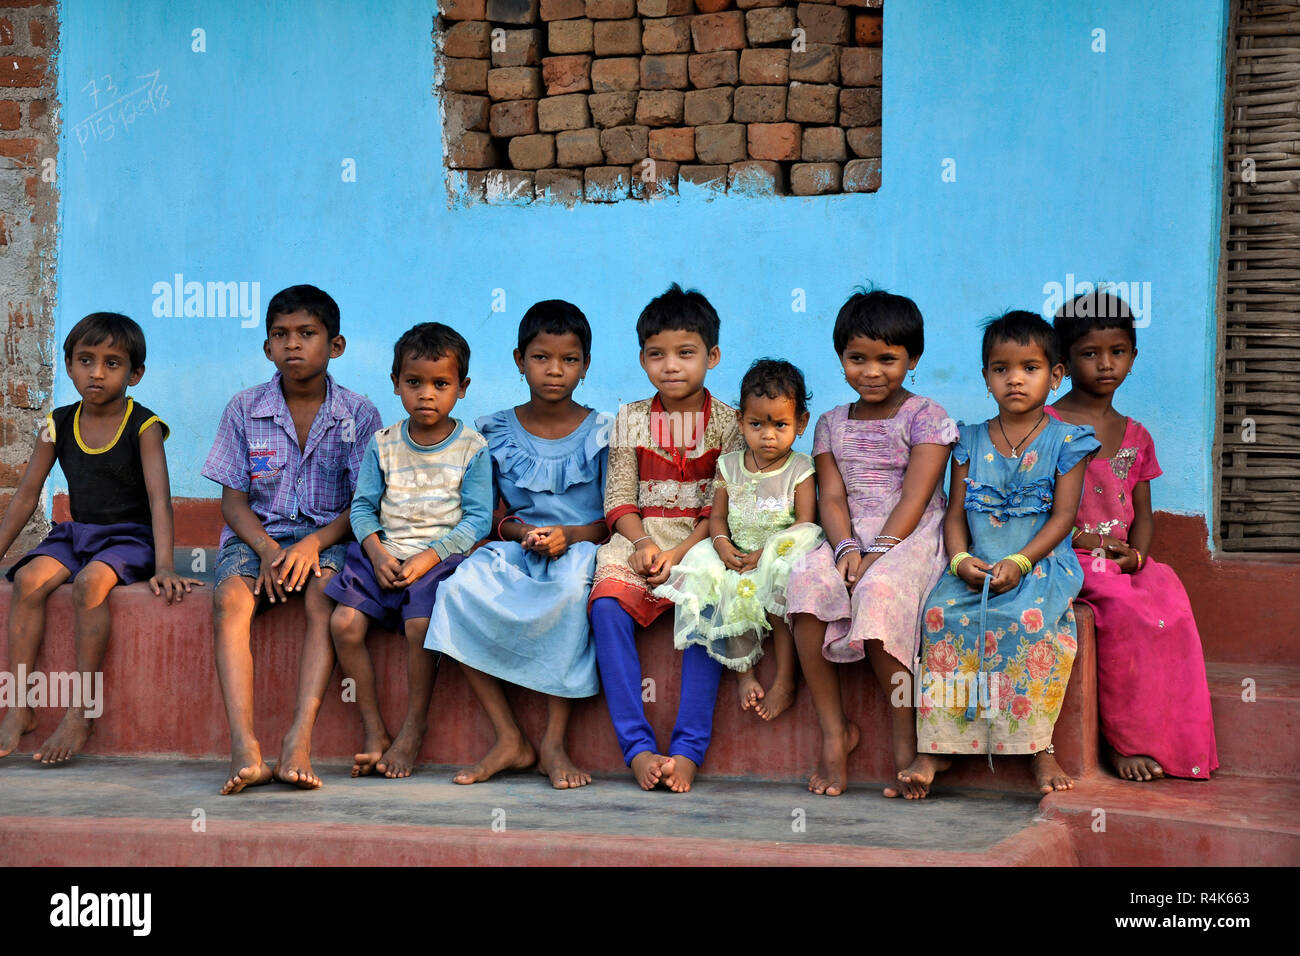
{"x":620,"y":674}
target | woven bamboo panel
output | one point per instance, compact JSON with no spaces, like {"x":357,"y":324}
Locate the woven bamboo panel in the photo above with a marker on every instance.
{"x":1259,"y":467}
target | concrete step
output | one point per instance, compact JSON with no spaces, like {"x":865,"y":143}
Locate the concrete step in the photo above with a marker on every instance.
{"x":141,"y":811}
{"x":1256,"y":737}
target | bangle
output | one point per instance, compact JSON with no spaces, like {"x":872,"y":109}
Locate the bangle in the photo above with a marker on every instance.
{"x":877,"y":549}
{"x":717,"y":536}
{"x":644,"y":537}
{"x":956,"y":561}
{"x":1074,"y":534}
{"x":1020,"y":561}
{"x":844,"y":546}
{"x":889,"y":537}
{"x":1139,"y":554}
{"x":503,"y":521}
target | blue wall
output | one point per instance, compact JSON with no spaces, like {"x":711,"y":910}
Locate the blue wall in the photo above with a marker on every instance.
{"x":1103,"y":165}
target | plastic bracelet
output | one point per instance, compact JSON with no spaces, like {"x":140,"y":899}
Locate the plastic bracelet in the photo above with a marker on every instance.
{"x":877,"y":549}
{"x":1074,"y":534}
{"x":841,"y":552}
{"x":1139,"y":554}
{"x":717,"y":536}
{"x":889,"y":537}
{"x":644,"y":537}
{"x":956,"y":561}
{"x":1020,"y":561}
{"x":503,"y":521}
{"x":843,"y":542}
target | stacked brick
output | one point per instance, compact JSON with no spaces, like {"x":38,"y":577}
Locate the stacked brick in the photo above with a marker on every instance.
{"x":604,"y":100}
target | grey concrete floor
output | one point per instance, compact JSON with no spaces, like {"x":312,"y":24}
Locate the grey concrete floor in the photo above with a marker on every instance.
{"x":155,"y":788}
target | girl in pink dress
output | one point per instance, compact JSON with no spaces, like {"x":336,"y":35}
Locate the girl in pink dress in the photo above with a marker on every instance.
{"x":879,"y":463}
{"x":1153,"y":696}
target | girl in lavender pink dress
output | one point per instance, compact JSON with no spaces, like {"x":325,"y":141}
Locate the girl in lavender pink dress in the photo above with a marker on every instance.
{"x":879,"y":463}
{"x":1151,"y":687}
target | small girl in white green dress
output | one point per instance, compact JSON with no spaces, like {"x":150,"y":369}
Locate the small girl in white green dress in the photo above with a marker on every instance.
{"x":729,"y":591}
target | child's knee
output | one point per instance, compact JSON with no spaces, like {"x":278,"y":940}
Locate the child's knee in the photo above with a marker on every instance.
{"x":91,"y":586}
{"x":232,"y":598}
{"x":415,"y":629}
{"x":348,"y":626}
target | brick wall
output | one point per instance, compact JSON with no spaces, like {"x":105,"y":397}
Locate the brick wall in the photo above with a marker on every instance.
{"x":28,"y":211}
{"x":604,"y":100}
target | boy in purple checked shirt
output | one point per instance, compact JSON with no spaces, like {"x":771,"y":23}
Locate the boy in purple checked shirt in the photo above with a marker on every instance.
{"x":286,"y":455}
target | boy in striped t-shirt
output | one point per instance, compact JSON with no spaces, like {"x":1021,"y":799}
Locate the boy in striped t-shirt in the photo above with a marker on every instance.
{"x":423,"y":500}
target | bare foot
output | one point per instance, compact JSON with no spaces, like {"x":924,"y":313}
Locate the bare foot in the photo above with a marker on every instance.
{"x":504,"y":757}
{"x":919,"y":774}
{"x":399,"y":759}
{"x":564,"y":774}
{"x":680,"y":778}
{"x":18,"y":722}
{"x":1139,"y":767}
{"x":294,"y":768}
{"x":68,"y":738}
{"x":778,"y":699}
{"x":904,"y":733}
{"x":1048,"y":773}
{"x":651,"y":768}
{"x":831,"y":776}
{"x":751,"y":691}
{"x":363,"y":764}
{"x":247,"y":769}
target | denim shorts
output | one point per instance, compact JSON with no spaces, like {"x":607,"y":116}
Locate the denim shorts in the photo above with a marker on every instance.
{"x":238,"y":559}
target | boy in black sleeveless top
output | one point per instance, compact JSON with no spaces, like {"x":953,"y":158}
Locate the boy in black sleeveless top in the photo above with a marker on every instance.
{"x":110,"y":450}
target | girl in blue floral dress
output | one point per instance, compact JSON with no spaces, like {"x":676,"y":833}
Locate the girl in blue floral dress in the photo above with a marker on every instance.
{"x":998,"y":636}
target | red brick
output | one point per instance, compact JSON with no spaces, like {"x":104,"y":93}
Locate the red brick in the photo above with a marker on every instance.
{"x":773,"y":141}
{"x":860,"y":66}
{"x":617,"y":37}
{"x":860,"y":107}
{"x":707,"y":107}
{"x":714,"y":69}
{"x":625,"y":144}
{"x":532,"y":152}
{"x":563,"y":9}
{"x":861,"y":176}
{"x":711,"y":177}
{"x":718,"y":31}
{"x":36,"y":110}
{"x":607,"y":183}
{"x":814,"y":179}
{"x":819,"y":63}
{"x":472,"y":151}
{"x":659,"y":108}
{"x":579,"y":147}
{"x":462,"y":9}
{"x":509,"y":187}
{"x":514,"y":83}
{"x":760,"y":104}
{"x":611,"y":9}
{"x":654,"y":178}
{"x":522,"y":48}
{"x":559,"y":185}
{"x":518,"y":12}
{"x":469,"y":39}
{"x":11,"y":115}
{"x":864,"y":141}
{"x":867,"y":29}
{"x":823,"y":144}
{"x":465,"y":112}
{"x":717,"y":145}
{"x":513,"y":118}
{"x":22,"y":71}
{"x":754,"y":4}
{"x":823,"y":23}
{"x":765,"y":67}
{"x":36,"y":29}
{"x":756,"y":178}
{"x":617,"y":73}
{"x":769,"y":25}
{"x":666,"y":35}
{"x":562,"y":112}
{"x":677,"y":145}
{"x":569,"y":36}
{"x":468,"y":184}
{"x":812,"y":103}
{"x":663,"y":8}
{"x":464,"y":76}
{"x":712,"y":6}
{"x":612,"y":109}
{"x":566,"y":74}
{"x":667,"y":72}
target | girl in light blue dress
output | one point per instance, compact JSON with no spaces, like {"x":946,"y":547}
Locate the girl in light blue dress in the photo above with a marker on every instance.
{"x":515,"y":611}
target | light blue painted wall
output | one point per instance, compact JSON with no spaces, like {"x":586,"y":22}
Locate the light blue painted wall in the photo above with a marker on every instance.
{"x":1104,"y":165}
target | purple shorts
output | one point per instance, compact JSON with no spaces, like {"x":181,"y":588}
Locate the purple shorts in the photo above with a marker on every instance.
{"x":127,"y":548}
{"x":356,"y":586}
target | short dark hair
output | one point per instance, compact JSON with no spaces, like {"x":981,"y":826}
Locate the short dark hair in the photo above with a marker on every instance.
{"x":679,"y":311}
{"x":305,"y":298}
{"x":556,"y":317}
{"x":1091,"y":312}
{"x":1023,"y":328}
{"x":775,"y":378}
{"x":431,"y":340}
{"x":877,"y":314}
{"x":99,"y":327}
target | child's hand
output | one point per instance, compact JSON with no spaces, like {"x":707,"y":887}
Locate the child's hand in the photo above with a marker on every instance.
{"x":663,"y":563}
{"x":386,"y":568}
{"x":297,"y":562}
{"x":549,"y":542}
{"x":267,"y":576}
{"x":850,"y":568}
{"x":643,"y":557}
{"x":415,"y":567}
{"x":1126,"y":557}
{"x":1006,"y":575}
{"x":748,"y":562}
{"x":973,"y":571}
{"x":865,"y":561}
{"x":168,"y":583}
{"x":731,"y":556}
